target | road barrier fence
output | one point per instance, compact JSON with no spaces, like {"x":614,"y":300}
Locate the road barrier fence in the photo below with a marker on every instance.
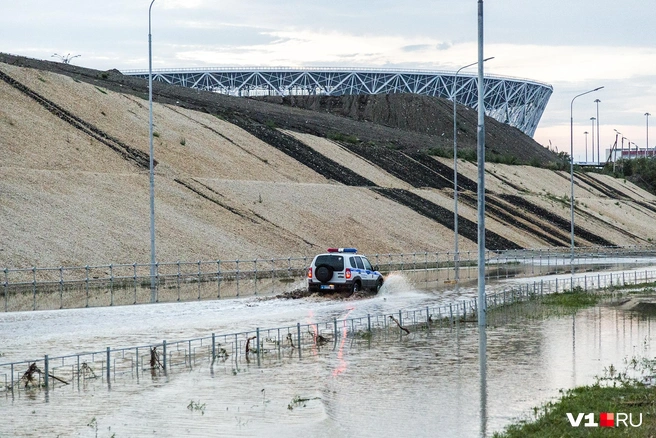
{"x":38,"y":288}
{"x":266,"y":344}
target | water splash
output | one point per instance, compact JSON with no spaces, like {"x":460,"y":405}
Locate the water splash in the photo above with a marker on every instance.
{"x":395,"y":283}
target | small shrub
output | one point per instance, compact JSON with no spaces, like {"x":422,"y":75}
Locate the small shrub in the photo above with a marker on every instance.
{"x":156,"y":134}
{"x":101,"y":90}
{"x":270,"y":124}
{"x":183,"y":141}
{"x":439,"y":152}
{"x":468,"y":155}
{"x":337,"y":136}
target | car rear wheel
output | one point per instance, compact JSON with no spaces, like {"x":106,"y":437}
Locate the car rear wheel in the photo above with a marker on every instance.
{"x":324,"y":273}
{"x":379,"y":284}
{"x":356,"y":287}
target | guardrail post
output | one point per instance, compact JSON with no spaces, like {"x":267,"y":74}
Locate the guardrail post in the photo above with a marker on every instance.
{"x":164,"y":355}
{"x":108,"y":366}
{"x":6,"y":292}
{"x":237,"y":275}
{"x":46,"y":367}
{"x":34,"y":288}
{"x":451,"y":312}
{"x":86,"y":283}
{"x":111,"y":284}
{"x":134,"y":267}
{"x":61,"y":287}
{"x":298,"y":328}
{"x":213,"y":346}
{"x":335,"y":325}
{"x":257,"y":334}
{"x":255,"y":279}
{"x":368,"y":322}
{"x":218,"y":278}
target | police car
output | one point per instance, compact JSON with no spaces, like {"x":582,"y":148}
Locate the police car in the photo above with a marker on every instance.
{"x":342,"y":269}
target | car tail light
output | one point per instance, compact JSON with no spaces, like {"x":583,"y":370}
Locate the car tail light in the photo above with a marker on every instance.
{"x":347,"y":274}
{"x":309,"y":272}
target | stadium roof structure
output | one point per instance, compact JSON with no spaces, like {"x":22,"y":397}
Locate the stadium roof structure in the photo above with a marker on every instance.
{"x":517,"y":102}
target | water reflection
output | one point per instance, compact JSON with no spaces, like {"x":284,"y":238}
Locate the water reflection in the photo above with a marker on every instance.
{"x":428,"y":383}
{"x":482,"y":365}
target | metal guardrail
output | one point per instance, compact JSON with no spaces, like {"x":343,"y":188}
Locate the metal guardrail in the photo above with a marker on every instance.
{"x":39,"y":288}
{"x":110,"y":364}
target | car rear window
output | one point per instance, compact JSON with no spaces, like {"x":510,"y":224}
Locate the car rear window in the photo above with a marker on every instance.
{"x":334,"y":261}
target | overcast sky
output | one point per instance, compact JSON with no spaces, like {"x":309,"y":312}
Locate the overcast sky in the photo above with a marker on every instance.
{"x":573,"y":45}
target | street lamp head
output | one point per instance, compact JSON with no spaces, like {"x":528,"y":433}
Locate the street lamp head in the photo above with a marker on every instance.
{"x":593,"y":118}
{"x":487,"y":59}
{"x":596,"y":89}
{"x":597,"y":101}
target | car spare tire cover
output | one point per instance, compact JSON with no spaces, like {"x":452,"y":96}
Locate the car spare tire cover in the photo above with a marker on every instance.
{"x":324,"y":273}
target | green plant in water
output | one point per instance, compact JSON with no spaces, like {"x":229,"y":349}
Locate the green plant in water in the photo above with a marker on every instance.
{"x":195,"y":406}
{"x":575,"y":299}
{"x":628,"y":391}
{"x":299,"y":401}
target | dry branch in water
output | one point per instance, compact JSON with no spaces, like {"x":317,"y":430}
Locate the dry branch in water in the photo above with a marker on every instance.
{"x":400,"y":326}
{"x":28,"y":376}
{"x":248,"y":343}
{"x":154,"y":359}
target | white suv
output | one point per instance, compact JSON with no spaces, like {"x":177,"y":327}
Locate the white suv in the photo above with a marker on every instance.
{"x":341,"y":269}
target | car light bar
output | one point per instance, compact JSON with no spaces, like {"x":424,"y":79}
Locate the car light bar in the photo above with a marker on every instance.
{"x":342,"y":250}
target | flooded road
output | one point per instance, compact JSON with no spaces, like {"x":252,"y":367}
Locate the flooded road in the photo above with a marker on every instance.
{"x":423,"y":384}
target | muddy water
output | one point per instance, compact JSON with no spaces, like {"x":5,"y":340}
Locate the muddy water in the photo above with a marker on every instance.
{"x":423,"y":384}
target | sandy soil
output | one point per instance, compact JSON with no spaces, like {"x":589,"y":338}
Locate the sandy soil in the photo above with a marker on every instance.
{"x":224,"y":193}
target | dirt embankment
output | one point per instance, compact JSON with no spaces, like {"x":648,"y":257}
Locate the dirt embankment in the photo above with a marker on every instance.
{"x":239,"y":178}
{"x":426,"y":115}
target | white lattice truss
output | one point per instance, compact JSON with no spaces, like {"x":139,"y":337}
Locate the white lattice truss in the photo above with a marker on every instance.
{"x":517,"y":102}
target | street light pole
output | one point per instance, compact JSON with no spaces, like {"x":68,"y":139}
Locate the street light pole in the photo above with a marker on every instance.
{"x":456,"y":255}
{"x":153,"y":273}
{"x":571,"y":170}
{"x":592,"y":119}
{"x":598,"y":140}
{"x":586,"y":142}
{"x":480,"y":150}
{"x":614,"y":149}
{"x":647,"y":139}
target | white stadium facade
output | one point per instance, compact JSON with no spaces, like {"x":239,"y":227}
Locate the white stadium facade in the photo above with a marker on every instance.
{"x":517,"y":102}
